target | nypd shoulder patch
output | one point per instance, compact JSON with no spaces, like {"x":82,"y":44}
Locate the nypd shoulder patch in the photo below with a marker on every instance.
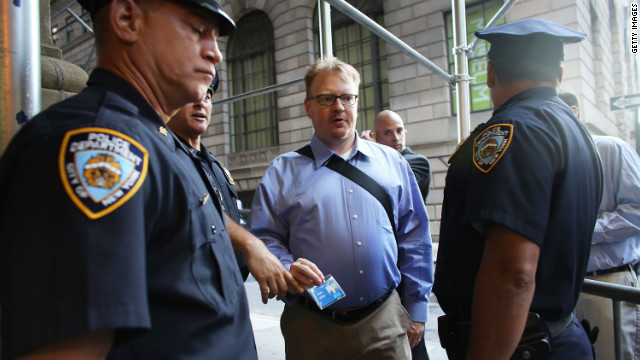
{"x":101,"y":169}
{"x":490,"y":145}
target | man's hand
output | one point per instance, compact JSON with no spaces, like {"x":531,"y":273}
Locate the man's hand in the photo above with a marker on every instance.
{"x":415,"y":333}
{"x":273,"y":278}
{"x":306,"y":273}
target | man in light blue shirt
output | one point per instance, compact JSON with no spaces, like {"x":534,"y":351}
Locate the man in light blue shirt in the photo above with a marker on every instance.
{"x":615,"y":248}
{"x":316,"y":221}
{"x":615,"y":245}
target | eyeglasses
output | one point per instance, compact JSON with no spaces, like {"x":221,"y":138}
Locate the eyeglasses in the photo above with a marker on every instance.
{"x":330,"y":99}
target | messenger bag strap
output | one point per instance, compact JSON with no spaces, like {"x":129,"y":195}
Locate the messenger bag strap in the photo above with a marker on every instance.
{"x":337,"y":164}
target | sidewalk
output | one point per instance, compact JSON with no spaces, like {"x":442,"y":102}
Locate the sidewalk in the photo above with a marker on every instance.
{"x":266,"y":326}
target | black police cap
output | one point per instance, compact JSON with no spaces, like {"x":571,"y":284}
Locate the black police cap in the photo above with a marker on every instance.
{"x":214,"y":84}
{"x":535,"y":39}
{"x":226,"y":23}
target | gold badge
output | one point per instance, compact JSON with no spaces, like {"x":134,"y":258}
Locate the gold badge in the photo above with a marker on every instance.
{"x":227,"y":174}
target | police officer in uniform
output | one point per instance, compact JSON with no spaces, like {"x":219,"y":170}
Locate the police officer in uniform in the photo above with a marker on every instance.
{"x":111,"y":244}
{"x":520,"y":202}
{"x":189,"y":124}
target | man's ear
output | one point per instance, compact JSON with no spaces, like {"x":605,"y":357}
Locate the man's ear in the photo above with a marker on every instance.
{"x":307,"y":108}
{"x":491,"y":75}
{"x":125,"y":17}
{"x":560,"y":73}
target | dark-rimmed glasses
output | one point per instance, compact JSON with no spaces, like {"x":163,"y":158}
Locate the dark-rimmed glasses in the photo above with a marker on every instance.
{"x":330,"y":99}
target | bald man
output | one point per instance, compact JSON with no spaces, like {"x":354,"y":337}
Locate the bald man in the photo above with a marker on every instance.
{"x":389,"y":130}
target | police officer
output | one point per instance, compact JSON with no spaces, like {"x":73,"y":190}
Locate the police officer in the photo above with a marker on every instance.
{"x":189,"y":124}
{"x":111,"y":244}
{"x":520,"y":202}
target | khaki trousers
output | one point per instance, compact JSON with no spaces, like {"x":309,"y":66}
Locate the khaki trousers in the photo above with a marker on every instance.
{"x":382,"y":334}
{"x":599,"y":311}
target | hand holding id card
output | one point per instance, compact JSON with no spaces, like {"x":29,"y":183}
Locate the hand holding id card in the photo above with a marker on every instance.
{"x":326,"y":293}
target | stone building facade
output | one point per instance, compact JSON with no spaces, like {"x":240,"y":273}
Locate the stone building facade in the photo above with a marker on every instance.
{"x":277,"y":39}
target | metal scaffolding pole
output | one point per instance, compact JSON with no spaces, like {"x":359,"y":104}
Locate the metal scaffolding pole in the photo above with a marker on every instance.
{"x":494,"y":20}
{"x":461,"y":77}
{"x":20,"y":83}
{"x":382,"y":33}
{"x":324,"y":25}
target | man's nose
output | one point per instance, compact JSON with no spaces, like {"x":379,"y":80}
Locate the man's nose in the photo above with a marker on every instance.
{"x":211,"y":51}
{"x":338,"y":105}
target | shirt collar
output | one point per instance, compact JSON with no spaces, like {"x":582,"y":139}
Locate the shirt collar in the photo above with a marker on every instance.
{"x":322,"y":153}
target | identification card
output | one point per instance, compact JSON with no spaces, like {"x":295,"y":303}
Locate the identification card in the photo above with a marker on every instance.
{"x":326,"y":293}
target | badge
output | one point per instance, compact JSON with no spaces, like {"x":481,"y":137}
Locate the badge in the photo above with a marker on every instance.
{"x":326,"y":293}
{"x":227,"y":174}
{"x":101,"y":169}
{"x":490,"y":145}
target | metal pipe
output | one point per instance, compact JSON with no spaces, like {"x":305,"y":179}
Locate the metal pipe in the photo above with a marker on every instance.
{"x":494,"y":20}
{"x":326,"y":40}
{"x":84,"y":24}
{"x":20,"y":82}
{"x":264,"y":90}
{"x":462,"y":78}
{"x":611,"y":291}
{"x":617,"y":320}
{"x":62,"y":8}
{"x":382,"y":33}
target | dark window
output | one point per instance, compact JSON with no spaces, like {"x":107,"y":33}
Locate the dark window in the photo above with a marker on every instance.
{"x":356,"y":45}
{"x":254,"y":123}
{"x":478,"y":15}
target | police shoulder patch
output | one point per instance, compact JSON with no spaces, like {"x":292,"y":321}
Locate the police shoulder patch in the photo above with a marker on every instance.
{"x":101,"y":169}
{"x":490,"y":145}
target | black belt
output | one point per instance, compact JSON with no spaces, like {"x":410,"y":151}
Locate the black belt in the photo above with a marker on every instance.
{"x":634,"y":267}
{"x":347,"y":315}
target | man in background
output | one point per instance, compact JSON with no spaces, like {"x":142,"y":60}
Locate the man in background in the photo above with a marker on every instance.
{"x":389,"y":129}
{"x":189,"y":124}
{"x":615,"y":245}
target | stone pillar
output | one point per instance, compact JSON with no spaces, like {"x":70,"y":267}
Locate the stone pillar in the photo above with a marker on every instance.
{"x":60,"y":79}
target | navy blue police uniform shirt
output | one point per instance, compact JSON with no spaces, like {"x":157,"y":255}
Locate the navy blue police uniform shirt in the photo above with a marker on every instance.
{"x":532,"y":168}
{"x":221,"y":183}
{"x":106,"y":224}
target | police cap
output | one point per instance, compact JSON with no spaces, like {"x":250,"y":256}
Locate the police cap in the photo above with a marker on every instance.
{"x":534,"y":39}
{"x":214,"y":84}
{"x":226,"y":23}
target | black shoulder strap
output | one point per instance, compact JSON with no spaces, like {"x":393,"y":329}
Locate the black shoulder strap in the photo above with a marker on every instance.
{"x":337,"y":164}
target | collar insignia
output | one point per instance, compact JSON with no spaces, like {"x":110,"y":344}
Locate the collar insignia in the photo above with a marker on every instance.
{"x":101,"y":169}
{"x":490,"y":145}
{"x":163,"y":130}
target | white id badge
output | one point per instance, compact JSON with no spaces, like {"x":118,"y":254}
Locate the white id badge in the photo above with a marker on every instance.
{"x":326,"y":293}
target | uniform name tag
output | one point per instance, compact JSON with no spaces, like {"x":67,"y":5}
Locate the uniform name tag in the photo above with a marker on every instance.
{"x":101,"y":169}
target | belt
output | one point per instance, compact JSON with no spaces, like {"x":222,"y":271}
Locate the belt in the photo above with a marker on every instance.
{"x":555,"y":327}
{"x":633,"y":267}
{"x":347,"y":315}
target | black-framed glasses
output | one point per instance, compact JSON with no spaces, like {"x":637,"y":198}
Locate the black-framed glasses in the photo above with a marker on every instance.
{"x":330,"y":99}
